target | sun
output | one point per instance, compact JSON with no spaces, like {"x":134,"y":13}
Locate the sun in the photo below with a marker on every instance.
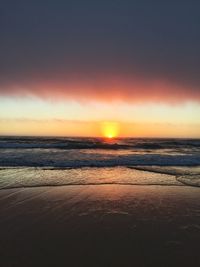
{"x":110,"y":129}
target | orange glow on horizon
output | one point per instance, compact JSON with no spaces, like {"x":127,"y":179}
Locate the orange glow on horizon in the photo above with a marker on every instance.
{"x":110,"y":129}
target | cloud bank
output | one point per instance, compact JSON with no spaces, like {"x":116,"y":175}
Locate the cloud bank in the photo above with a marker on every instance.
{"x":83,"y":50}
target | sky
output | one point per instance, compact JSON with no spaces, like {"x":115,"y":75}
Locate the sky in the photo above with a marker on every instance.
{"x":69,"y":67}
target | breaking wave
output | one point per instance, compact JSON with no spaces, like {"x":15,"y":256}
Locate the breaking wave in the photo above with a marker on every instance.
{"x":96,"y":143}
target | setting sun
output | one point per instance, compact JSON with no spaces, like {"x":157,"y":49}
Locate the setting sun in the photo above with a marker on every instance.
{"x":110,"y":129}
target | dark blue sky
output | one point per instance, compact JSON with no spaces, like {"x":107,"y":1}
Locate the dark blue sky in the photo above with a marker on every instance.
{"x":62,"y":41}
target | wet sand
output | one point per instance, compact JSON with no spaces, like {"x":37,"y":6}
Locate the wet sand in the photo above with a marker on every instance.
{"x":100,"y":225}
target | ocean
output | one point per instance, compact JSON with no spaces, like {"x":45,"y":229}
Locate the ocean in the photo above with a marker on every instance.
{"x":99,"y":202}
{"x":58,"y":161}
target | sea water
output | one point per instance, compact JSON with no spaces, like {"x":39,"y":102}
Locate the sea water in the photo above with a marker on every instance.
{"x":50,"y":161}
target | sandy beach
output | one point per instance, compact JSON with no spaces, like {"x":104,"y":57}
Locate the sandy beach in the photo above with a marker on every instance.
{"x":102,"y":225}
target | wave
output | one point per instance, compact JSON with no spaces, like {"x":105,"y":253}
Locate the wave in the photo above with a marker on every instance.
{"x":79,"y":159}
{"x":192,"y":180}
{"x":62,"y":145}
{"x":96,"y":143}
{"x":171,"y":170}
{"x":13,"y":178}
{"x":186,"y":175}
{"x":36,"y":177}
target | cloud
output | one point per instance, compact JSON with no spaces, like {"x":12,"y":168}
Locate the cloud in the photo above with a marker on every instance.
{"x":107,"y":89}
{"x":126,"y":50}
